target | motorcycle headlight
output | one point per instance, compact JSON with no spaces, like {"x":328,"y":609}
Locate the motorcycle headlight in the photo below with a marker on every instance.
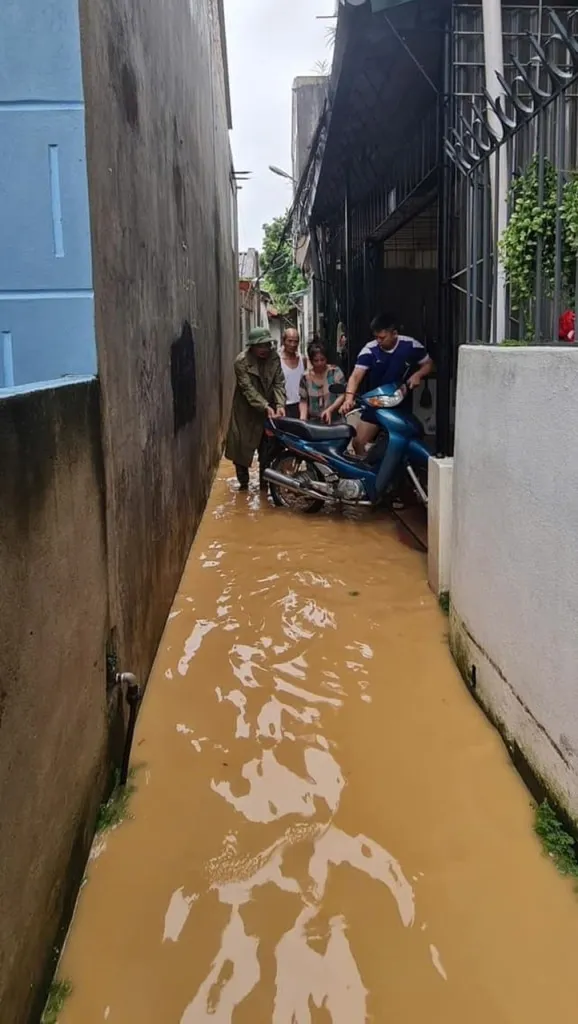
{"x":387,"y":401}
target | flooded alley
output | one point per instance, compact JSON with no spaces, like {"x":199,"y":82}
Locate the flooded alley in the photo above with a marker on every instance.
{"x":324,"y":827}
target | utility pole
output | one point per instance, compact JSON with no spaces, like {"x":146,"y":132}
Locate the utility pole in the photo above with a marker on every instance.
{"x":494,"y":60}
{"x":258,"y":290}
{"x":347,"y":254}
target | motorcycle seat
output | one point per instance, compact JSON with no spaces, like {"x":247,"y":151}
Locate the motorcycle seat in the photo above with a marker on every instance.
{"x":307,"y":431}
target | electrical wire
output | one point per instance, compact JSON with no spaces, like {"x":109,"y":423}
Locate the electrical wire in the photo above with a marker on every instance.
{"x":303,"y":181}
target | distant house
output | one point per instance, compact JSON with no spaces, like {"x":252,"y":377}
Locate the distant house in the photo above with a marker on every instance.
{"x":279,"y":322}
{"x":252,"y":304}
{"x":257,"y":307}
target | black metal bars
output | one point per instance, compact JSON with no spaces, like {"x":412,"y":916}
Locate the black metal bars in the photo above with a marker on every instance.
{"x":530,"y":130}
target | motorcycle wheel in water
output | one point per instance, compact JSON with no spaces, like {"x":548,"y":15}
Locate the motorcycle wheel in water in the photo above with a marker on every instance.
{"x":301,"y":469}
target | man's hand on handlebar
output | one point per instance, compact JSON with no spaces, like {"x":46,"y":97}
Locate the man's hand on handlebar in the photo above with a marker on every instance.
{"x":275,"y":414}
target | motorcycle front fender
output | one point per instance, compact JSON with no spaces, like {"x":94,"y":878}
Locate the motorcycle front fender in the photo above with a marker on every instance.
{"x":396,"y":450}
{"x":418,"y":453}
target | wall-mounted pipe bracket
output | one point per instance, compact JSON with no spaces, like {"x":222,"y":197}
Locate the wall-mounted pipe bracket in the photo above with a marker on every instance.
{"x":133,"y":693}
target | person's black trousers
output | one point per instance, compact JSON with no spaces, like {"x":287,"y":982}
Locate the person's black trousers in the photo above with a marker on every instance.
{"x":243,"y":471}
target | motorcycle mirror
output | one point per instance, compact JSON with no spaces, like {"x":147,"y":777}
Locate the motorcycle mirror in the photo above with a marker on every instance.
{"x":337,"y":389}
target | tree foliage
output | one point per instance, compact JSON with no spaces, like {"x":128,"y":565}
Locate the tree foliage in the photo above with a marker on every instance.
{"x":281,"y":278}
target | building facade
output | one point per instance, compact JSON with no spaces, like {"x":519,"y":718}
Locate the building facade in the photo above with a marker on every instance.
{"x":380,"y":200}
{"x":252,"y":300}
{"x":119,"y":327}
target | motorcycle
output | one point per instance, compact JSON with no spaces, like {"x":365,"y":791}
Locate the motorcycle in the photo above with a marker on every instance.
{"x":310,"y":466}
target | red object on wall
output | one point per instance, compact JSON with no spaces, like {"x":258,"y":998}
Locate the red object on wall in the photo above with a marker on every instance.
{"x":567,"y":326}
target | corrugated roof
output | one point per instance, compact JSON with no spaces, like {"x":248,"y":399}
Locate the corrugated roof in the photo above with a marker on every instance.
{"x":377,"y":95}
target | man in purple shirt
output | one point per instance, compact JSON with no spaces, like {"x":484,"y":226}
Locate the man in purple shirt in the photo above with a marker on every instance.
{"x":386,"y":360}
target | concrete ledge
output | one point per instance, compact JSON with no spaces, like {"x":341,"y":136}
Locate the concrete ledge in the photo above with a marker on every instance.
{"x":54,"y":712}
{"x":514,"y":585}
{"x":545,"y":767}
{"x":440,"y":508}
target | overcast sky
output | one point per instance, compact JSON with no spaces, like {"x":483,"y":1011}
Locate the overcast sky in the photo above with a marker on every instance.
{"x":270,"y":42}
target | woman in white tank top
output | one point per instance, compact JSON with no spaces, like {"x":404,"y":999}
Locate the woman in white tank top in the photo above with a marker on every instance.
{"x":293,"y":370}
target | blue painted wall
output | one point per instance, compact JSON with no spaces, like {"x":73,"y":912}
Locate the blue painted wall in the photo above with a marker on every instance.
{"x":46,"y":300}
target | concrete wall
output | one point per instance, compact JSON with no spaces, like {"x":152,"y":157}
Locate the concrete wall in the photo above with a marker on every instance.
{"x":309,"y":95}
{"x":165,"y":277}
{"x":46,"y":304}
{"x":53,"y":732}
{"x":439,"y":525}
{"x":514,"y":583}
{"x":276,"y":328}
{"x":103,"y":484}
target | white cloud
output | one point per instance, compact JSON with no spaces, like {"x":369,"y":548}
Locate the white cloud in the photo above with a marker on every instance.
{"x":270,"y":42}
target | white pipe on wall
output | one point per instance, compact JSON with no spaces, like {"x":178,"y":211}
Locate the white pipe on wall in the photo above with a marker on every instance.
{"x":494,"y":61}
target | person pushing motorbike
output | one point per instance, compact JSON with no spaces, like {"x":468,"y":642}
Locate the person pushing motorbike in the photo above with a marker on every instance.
{"x":259,"y":393}
{"x":386,"y":359}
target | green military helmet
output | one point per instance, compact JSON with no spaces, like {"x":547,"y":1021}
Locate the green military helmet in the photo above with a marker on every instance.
{"x":259,"y":336}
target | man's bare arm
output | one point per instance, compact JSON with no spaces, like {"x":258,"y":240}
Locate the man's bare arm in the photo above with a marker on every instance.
{"x":421,"y":373}
{"x":352,"y":388}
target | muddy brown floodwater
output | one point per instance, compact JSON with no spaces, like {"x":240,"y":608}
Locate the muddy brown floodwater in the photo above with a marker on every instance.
{"x":325,"y":827}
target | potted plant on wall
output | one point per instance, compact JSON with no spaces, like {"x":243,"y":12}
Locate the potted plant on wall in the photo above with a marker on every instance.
{"x":532,"y":229}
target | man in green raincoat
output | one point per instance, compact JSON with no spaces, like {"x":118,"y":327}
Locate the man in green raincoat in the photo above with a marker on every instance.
{"x":259,"y":393}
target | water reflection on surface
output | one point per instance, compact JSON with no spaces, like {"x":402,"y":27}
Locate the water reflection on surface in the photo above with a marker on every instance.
{"x":326,"y":828}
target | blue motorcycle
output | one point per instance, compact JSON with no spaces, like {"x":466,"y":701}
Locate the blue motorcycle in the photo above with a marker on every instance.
{"x":310,"y":465}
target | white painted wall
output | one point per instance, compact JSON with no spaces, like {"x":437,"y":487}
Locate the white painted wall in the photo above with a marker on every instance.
{"x":276,"y":329}
{"x":439,"y":524}
{"x":514,"y":571}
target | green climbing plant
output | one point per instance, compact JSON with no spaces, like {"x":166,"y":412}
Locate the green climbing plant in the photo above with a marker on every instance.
{"x":530,"y":222}
{"x":569,"y":215}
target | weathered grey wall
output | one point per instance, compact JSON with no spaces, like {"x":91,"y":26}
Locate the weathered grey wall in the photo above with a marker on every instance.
{"x":514,"y":585}
{"x":309,"y":94}
{"x":162,"y":213}
{"x":53,"y":734}
{"x":100,"y":495}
